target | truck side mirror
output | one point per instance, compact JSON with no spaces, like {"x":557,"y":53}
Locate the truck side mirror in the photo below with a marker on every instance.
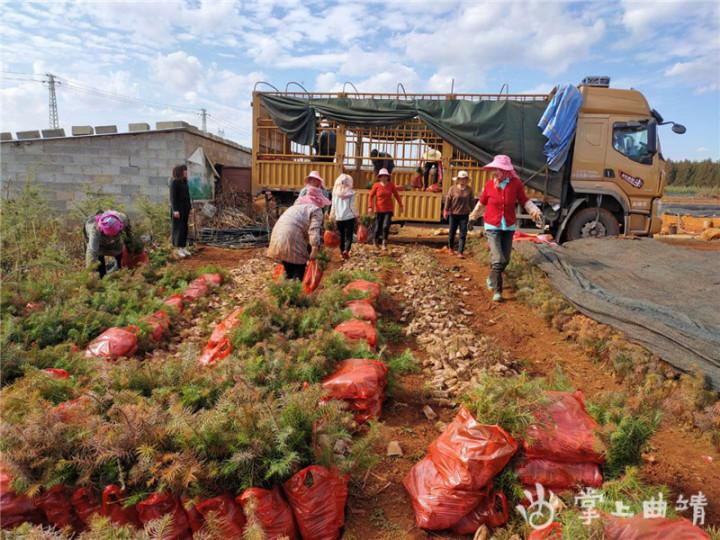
{"x":679,"y":129}
{"x":652,"y":137}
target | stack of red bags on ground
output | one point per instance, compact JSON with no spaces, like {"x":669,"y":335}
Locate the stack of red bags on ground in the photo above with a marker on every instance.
{"x":562,"y":449}
{"x":362,"y":327}
{"x":313,"y":504}
{"x":451,"y":487}
{"x":359,"y":382}
{"x":116,"y":342}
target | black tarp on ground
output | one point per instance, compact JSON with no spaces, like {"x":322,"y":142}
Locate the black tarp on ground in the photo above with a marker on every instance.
{"x":481,"y":129}
{"x":666,"y":298}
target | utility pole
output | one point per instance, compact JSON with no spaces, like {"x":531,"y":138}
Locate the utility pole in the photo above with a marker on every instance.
{"x":52,"y":105}
{"x":203,"y":113}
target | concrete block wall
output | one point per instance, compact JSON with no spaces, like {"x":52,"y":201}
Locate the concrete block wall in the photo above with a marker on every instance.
{"x":126,"y":166}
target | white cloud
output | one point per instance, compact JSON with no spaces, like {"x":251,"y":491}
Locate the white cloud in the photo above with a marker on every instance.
{"x":178,"y":70}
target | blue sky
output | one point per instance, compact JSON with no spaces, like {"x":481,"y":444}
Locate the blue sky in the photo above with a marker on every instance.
{"x":169,"y":59}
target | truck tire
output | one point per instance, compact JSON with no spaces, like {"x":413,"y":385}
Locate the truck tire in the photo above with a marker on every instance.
{"x":583,"y":224}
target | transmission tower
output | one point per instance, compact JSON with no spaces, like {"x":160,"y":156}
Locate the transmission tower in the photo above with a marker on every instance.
{"x":204,"y":114}
{"x":52,"y":106}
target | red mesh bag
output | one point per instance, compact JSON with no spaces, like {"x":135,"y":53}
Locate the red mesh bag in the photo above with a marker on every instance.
{"x":278,"y":272}
{"x":86,"y":503}
{"x":113,"y":343}
{"x":362,"y":234}
{"x":72,"y":411}
{"x":437,"y":505}
{"x":159,"y":323}
{"x":196,"y":289}
{"x":551,"y":532}
{"x":639,"y":528}
{"x":195,"y":519}
{"x":133,"y":260}
{"x":313,"y":276}
{"x":213,"y":279}
{"x":57,"y":373}
{"x":58,"y":509}
{"x":331,"y":239}
{"x":361,"y":382}
{"x":564,"y":431}
{"x":368,"y":287}
{"x":558,"y":475}
{"x":492,"y":510}
{"x":469,"y":454}
{"x":159,"y":504}
{"x":317,"y":497}
{"x":362,"y":309}
{"x":16,"y":509}
{"x":355,"y":330}
{"x":219,"y":345}
{"x":113,"y":507}
{"x":272,"y":511}
{"x":175,"y":301}
{"x":227,"y":511}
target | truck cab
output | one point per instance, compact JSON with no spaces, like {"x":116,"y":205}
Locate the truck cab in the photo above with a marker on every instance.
{"x":617,"y":173}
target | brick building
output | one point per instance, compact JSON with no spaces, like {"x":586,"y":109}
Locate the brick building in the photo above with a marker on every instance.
{"x":124,"y":165}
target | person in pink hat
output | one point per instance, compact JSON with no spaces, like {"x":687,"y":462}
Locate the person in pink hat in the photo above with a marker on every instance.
{"x":380,"y":201}
{"x":315,"y":180}
{"x":297,"y":235}
{"x":502,"y":192}
{"x":106,"y":234}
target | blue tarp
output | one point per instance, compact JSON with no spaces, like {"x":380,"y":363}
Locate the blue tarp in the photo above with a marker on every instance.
{"x":558,"y":123}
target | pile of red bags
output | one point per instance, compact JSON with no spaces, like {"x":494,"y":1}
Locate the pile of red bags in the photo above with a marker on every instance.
{"x":452,"y":484}
{"x":639,"y":528}
{"x":114,"y":343}
{"x":272,"y":512}
{"x":355,"y":330}
{"x":317,"y":497}
{"x":363,"y":310}
{"x":360,"y":382}
{"x":219,"y":345}
{"x":372,"y":290}
{"x":562,"y":448}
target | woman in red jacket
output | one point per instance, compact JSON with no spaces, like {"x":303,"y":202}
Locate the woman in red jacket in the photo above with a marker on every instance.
{"x":380,"y":201}
{"x":501,"y":194}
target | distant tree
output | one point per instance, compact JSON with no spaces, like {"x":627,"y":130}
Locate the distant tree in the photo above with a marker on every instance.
{"x":704,"y":173}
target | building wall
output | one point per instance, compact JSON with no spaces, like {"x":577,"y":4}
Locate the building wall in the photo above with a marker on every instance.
{"x":126,"y":166}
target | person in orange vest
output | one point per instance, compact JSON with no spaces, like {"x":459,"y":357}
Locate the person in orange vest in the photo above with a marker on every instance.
{"x":380,"y":201}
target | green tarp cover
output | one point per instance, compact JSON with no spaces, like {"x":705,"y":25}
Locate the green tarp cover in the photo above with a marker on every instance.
{"x":481,"y":129}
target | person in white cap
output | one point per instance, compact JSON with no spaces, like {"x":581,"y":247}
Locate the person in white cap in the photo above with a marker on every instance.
{"x":380,"y":201}
{"x":501,"y":194}
{"x":458,"y":205}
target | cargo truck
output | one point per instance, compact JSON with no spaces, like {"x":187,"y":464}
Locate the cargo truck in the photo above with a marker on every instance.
{"x":611,"y":182}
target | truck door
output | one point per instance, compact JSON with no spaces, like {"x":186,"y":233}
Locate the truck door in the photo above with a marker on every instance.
{"x":631,"y":162}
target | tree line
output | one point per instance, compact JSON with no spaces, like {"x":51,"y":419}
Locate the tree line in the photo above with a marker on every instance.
{"x":704,"y":173}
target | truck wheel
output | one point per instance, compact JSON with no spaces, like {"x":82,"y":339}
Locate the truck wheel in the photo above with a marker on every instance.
{"x":587,"y":223}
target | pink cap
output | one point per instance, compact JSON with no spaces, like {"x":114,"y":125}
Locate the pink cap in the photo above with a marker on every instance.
{"x":503,"y":163}
{"x":109,"y":223}
{"x":383,"y":172}
{"x":316,"y":176}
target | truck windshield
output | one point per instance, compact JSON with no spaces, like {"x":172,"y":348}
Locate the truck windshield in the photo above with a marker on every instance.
{"x":632,"y":141}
